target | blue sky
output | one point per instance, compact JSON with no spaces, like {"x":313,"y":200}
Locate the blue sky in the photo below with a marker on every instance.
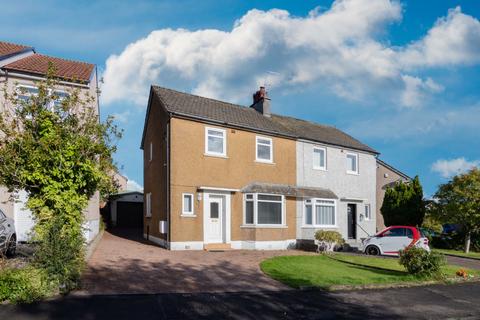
{"x":401,"y":76}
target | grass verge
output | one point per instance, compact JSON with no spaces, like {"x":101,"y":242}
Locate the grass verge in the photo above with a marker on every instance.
{"x":343,"y":270}
{"x":458,"y":253}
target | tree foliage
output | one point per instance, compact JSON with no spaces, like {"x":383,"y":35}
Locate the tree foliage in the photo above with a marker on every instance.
{"x":458,"y":202}
{"x":403,"y":204}
{"x":59,"y":152}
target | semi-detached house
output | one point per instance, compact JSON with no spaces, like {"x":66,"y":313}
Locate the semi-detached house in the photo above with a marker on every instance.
{"x":219,"y":175}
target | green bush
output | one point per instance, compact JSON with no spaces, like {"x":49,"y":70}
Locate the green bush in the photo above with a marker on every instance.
{"x":24,"y":285}
{"x":329,"y":239}
{"x":418,"y":261}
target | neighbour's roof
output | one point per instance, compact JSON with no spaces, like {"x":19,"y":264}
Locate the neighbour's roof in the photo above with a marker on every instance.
{"x":400,"y":173}
{"x":224,"y":113}
{"x":65,"y":69}
{"x":289,"y":190}
{"x":321,"y":133}
{"x":7,"y":49}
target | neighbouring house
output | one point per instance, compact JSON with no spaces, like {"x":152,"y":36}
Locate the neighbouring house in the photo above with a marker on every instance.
{"x":20,"y":67}
{"x":387,"y":176}
{"x":220,"y":175}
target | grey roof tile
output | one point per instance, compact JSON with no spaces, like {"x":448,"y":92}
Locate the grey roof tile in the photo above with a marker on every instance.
{"x":202,"y":108}
{"x":289,"y":190}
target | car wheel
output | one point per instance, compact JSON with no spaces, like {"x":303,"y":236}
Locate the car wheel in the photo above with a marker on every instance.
{"x":372,"y":251}
{"x":12,"y":246}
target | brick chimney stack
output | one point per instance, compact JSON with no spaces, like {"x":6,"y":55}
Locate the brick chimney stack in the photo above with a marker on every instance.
{"x":261,"y":102}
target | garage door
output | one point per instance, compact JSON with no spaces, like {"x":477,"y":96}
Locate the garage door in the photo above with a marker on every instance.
{"x":130,"y":214}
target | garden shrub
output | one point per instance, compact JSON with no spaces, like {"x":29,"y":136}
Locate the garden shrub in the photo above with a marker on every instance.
{"x":418,"y":261}
{"x":24,"y":285}
{"x":329,"y":239}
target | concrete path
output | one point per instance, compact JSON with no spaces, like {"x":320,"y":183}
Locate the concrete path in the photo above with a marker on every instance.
{"x":432,"y":302}
{"x":124,"y":263}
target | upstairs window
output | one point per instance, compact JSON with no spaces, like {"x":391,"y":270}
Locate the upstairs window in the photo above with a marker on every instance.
{"x":264,"y":149}
{"x":150,"y":154}
{"x":352,"y":163}
{"x":319,"y":158}
{"x":215,"y":142}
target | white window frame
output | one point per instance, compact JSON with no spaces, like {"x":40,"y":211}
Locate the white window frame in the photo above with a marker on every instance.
{"x":184,"y":211}
{"x":150,"y":157}
{"x":148,"y":199}
{"x":224,"y":136}
{"x":368,"y":209}
{"x":255,"y":210}
{"x":50,"y":92}
{"x":263,"y":144}
{"x":313,"y":203}
{"x":356,"y":163}
{"x":315,"y":166}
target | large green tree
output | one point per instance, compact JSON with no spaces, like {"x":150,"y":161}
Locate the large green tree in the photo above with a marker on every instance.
{"x":57,"y":150}
{"x":403,"y":204}
{"x":458,"y":201}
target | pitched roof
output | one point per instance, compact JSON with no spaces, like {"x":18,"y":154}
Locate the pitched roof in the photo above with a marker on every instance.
{"x":206,"y":109}
{"x":321,"y":133}
{"x":184,"y":104}
{"x":7,"y":49}
{"x":400,"y":173}
{"x":65,"y":69}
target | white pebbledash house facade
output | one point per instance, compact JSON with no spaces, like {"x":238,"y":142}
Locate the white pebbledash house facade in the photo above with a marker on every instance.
{"x":330,"y":159}
{"x":20,"y":67}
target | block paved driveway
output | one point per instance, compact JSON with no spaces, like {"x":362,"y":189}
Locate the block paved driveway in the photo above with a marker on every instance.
{"x":124,"y":263}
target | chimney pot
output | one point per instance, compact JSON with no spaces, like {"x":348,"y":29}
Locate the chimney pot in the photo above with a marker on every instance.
{"x":261,"y":102}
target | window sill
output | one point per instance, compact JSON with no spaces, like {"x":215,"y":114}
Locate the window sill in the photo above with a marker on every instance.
{"x":188,"y":215}
{"x":264,"y":162}
{"x":215,"y":155}
{"x":353,"y":173}
{"x":266,"y":226}
{"x":318,"y":227}
{"x":319,"y":169}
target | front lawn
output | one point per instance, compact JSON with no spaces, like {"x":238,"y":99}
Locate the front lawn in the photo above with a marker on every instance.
{"x":458,"y":253}
{"x":340,"y":270}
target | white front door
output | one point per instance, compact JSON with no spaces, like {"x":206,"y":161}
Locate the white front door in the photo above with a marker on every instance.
{"x":215,"y":218}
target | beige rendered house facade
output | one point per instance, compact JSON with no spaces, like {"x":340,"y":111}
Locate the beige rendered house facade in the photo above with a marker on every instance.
{"x":219,"y":175}
{"x":20,"y":68}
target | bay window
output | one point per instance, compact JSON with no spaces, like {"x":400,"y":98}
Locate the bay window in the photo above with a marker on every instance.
{"x":263,"y":209}
{"x":320,"y":213}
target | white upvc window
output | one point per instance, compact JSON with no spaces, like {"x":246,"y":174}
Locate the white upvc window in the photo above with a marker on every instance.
{"x":187,"y":204}
{"x":320,"y":213}
{"x":215,"y":142}
{"x":319,"y":158}
{"x":368,"y":212}
{"x":149,"y":205}
{"x":26,"y":92}
{"x":263,"y":149}
{"x":352,"y":163}
{"x":264,"y":209}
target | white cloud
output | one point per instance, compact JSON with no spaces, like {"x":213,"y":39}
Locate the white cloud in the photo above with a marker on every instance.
{"x":336,"y":48}
{"x":449,"y":168}
{"x":122,"y":117}
{"x":132,"y":185}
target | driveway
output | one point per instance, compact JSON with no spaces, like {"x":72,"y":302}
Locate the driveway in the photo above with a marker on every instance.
{"x":124,"y":263}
